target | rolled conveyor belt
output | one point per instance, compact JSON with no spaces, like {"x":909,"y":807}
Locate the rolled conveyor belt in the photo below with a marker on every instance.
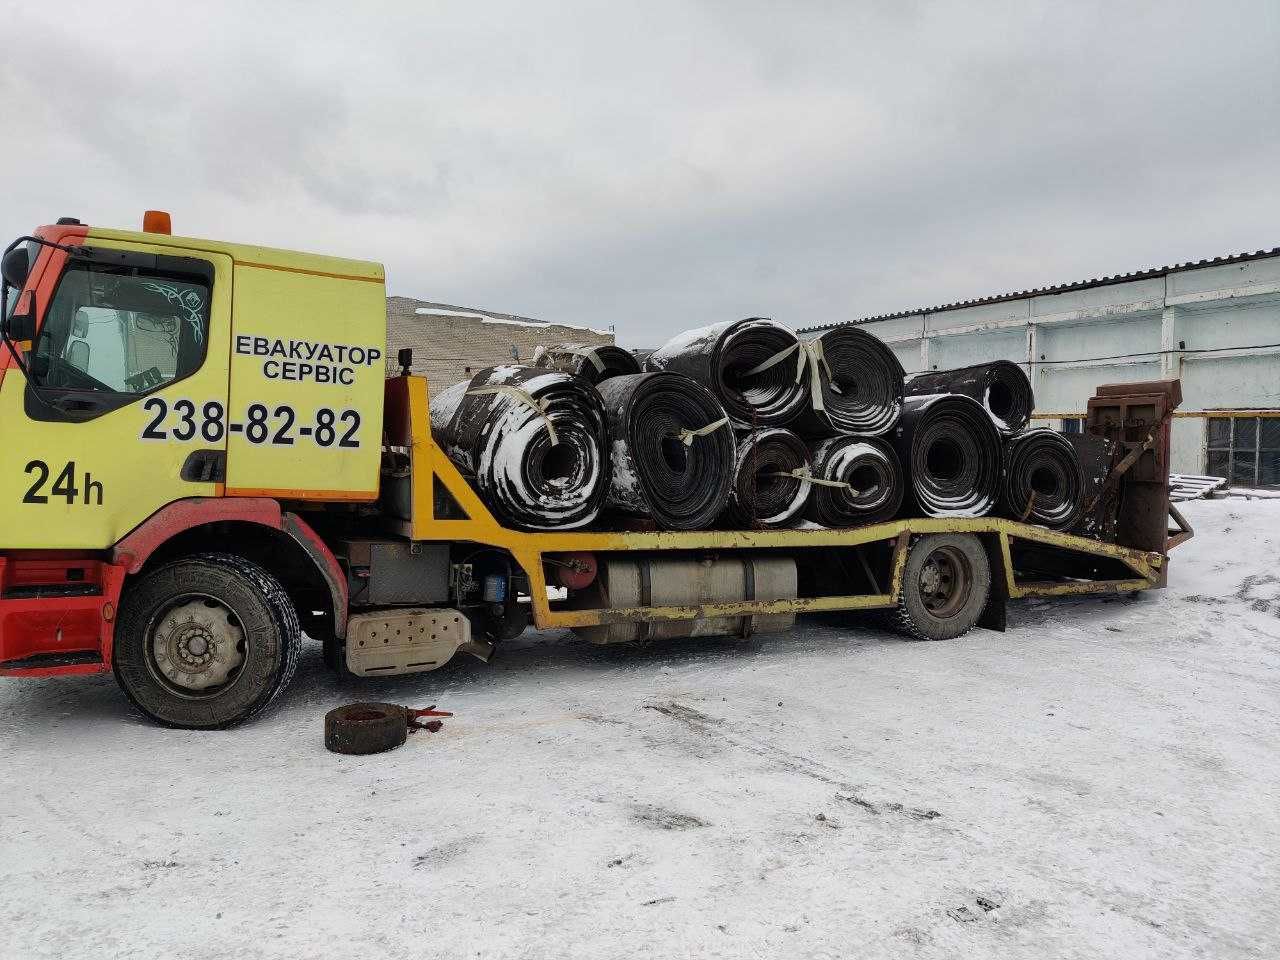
{"x":861,"y":385}
{"x":950,"y":450}
{"x":1001,"y":387}
{"x":672,"y":450}
{"x":1043,"y":480}
{"x":532,"y":442}
{"x":770,"y":482}
{"x":731,"y":357}
{"x":593,"y":362}
{"x":863,"y":483}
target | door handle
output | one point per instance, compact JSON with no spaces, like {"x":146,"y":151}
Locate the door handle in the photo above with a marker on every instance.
{"x":205,"y":466}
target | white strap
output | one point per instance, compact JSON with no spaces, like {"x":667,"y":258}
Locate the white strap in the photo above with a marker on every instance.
{"x":687,"y":435}
{"x":777,"y":358}
{"x":817,"y":360}
{"x":590,"y":354}
{"x":520,"y":396}
{"x":811,"y":355}
{"x":805,"y":474}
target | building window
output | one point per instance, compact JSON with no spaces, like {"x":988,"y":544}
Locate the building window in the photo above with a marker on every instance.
{"x":1245,"y":450}
{"x":1073,"y":424}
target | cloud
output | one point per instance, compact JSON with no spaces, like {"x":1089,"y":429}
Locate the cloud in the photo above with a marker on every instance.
{"x":662,"y":165}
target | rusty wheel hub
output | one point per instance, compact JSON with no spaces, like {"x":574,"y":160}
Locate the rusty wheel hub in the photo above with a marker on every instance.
{"x":945,"y":580}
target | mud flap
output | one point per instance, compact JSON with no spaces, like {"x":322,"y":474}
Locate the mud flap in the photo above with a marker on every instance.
{"x":995,"y":613}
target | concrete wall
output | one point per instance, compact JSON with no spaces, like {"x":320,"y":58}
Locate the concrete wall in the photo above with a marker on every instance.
{"x":452,"y":343}
{"x":1072,"y":341}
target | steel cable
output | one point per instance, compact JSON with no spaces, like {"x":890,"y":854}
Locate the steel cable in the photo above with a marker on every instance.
{"x":951,"y":451}
{"x":730,"y":358}
{"x":593,"y":362}
{"x":1043,"y":480}
{"x":672,"y":450}
{"x":532,"y":442}
{"x":1001,"y":387}
{"x":862,"y":386}
{"x":770,"y":479}
{"x":869,"y":478}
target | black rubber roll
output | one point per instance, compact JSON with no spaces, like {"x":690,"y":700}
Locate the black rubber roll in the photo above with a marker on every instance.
{"x":722,"y":357}
{"x":1043,"y":481}
{"x":594,"y":362}
{"x":871,"y":483}
{"x":1001,"y":387}
{"x":950,"y":450}
{"x":769,"y":483}
{"x":532,"y":442}
{"x":861,"y":386}
{"x":672,"y":450}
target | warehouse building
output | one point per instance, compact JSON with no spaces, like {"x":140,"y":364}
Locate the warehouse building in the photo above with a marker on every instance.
{"x":451,"y":343}
{"x":1215,"y":324}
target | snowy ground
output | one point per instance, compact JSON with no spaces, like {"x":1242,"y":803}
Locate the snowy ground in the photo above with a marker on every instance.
{"x":1103,"y":780}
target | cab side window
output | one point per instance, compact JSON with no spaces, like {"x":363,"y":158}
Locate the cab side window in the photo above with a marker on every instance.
{"x":122,"y":330}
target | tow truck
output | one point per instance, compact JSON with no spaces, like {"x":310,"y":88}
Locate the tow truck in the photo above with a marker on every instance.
{"x":206,"y":458}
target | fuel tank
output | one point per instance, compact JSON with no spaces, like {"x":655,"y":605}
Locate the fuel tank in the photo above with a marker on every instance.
{"x":643,"y":581}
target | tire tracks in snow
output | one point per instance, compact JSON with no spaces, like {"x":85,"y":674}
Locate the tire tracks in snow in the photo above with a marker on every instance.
{"x":720,"y":728}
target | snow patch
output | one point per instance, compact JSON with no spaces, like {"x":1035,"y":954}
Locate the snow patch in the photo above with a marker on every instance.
{"x":506,"y":321}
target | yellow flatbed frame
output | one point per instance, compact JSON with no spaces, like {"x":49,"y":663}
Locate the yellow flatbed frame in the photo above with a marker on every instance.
{"x":409,"y":426}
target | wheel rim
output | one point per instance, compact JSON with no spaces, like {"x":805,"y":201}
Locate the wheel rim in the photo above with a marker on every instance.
{"x":196,"y":646}
{"x":946,"y":580}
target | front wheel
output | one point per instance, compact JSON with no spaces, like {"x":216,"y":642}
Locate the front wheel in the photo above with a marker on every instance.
{"x":945,"y":586}
{"x":206,"y":641}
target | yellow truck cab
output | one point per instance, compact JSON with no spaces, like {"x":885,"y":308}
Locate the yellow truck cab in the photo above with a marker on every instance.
{"x":154,"y":384}
{"x":202,"y":457}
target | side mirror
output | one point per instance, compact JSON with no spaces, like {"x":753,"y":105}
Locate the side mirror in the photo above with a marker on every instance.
{"x":15,"y":267}
{"x":22,"y":322}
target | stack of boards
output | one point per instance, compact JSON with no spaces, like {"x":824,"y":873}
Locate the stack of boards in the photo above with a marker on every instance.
{"x":745,"y":425}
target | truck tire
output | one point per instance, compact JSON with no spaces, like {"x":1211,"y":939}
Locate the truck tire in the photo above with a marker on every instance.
{"x":945,"y":586}
{"x":360,"y":728}
{"x":205,"y":642}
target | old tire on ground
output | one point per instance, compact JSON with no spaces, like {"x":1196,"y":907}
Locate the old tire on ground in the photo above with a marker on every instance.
{"x":205,"y":642}
{"x":365,"y":728}
{"x":945,"y":586}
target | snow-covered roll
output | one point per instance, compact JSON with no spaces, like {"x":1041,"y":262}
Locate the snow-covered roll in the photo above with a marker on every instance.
{"x":771,"y":480}
{"x":1001,"y":387}
{"x":856,"y":482}
{"x":596,"y":362}
{"x":951,"y":451}
{"x":532,"y":442}
{"x":750,"y":365}
{"x":859,"y":385}
{"x":671,"y":450}
{"x":1043,"y":481}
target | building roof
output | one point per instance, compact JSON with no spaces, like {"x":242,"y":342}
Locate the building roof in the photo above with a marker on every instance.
{"x":1060,"y":288}
{"x":426,"y":308}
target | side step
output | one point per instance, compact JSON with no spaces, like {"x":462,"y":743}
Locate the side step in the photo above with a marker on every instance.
{"x":36,"y":661}
{"x":52,"y":590}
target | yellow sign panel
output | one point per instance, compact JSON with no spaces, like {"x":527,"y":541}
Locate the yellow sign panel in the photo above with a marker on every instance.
{"x":308,"y":367}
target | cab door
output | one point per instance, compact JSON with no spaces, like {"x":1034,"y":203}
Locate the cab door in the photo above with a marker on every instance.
{"x":125,"y":407}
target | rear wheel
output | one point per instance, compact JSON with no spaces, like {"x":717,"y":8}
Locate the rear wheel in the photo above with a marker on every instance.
{"x":945,"y":586}
{"x":206,"y":641}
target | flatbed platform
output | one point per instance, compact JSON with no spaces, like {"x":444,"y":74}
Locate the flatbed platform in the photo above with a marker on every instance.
{"x":431,"y":473}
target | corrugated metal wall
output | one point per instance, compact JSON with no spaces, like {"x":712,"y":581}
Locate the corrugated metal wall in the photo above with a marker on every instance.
{"x":1216,"y":326}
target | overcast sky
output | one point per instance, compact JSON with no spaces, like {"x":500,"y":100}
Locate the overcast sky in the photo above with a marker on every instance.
{"x":661,"y":165}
